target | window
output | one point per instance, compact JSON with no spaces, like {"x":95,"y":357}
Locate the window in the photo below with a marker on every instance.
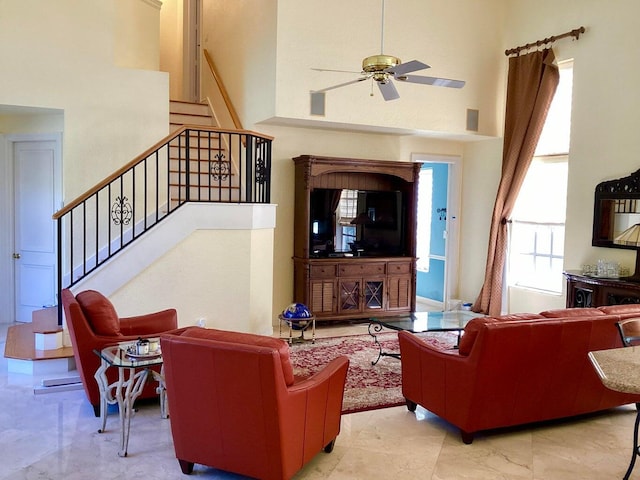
{"x":348,"y":205}
{"x":348,"y":209}
{"x":536,"y":244}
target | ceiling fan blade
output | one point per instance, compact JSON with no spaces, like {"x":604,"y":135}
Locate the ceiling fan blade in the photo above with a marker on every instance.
{"x":388,"y":90}
{"x":438,"y":82}
{"x":340,"y":85}
{"x":412,"y":66}
{"x":330,"y":70}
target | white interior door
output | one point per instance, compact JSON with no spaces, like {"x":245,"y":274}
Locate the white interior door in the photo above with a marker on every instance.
{"x":36,"y":168}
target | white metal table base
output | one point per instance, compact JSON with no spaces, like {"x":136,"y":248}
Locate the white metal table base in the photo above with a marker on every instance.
{"x":124,"y":392}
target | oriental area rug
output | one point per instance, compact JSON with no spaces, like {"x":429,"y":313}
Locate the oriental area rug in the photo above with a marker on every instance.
{"x":368,"y":387}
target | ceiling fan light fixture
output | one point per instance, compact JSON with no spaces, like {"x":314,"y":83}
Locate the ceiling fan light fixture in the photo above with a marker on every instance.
{"x":381,"y":77}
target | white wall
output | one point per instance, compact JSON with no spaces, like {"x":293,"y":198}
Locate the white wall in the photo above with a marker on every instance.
{"x":172,"y":44}
{"x":63,"y":58}
{"x":136,"y":34}
{"x":460,"y":39}
{"x":480,"y":178}
{"x":241,"y":38}
{"x":32,"y":121}
{"x":221,"y":276}
{"x":209,"y":261}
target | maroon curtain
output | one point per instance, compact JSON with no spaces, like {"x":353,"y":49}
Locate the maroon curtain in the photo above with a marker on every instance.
{"x":533,"y":79}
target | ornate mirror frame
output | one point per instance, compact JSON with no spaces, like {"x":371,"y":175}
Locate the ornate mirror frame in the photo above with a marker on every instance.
{"x":616,"y":208}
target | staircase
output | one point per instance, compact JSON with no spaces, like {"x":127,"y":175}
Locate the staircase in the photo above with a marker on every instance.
{"x":196,"y":163}
{"x":186,"y":113}
{"x":210,"y":165}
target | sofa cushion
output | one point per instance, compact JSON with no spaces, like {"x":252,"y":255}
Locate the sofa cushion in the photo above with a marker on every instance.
{"x":474,"y":326}
{"x":621,"y":309}
{"x":572,"y":312}
{"x":100,"y":313}
{"x":248,"y":339}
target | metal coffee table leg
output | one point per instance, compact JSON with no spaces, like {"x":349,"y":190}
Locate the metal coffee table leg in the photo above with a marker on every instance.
{"x":374,"y":329}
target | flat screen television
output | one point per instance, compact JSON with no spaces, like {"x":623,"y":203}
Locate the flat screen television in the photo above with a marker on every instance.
{"x":356,"y":222}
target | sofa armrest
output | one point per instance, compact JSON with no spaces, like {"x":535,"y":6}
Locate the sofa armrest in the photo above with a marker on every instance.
{"x":334,"y":367}
{"x":408,"y":340}
{"x":434,"y":378}
{"x":315,"y":405}
{"x":149,"y":324}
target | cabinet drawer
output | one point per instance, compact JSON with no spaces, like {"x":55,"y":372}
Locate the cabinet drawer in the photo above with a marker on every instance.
{"x":362,"y":269}
{"x":398,"y":268}
{"x":323,"y":271}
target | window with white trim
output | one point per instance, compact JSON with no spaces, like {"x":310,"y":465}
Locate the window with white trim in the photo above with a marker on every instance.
{"x":536,"y":242}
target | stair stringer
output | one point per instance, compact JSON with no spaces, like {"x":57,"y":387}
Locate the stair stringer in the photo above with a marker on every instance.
{"x":253,"y":224}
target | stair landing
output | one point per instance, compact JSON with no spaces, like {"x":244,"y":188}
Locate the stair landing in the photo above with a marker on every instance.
{"x":22,"y":354}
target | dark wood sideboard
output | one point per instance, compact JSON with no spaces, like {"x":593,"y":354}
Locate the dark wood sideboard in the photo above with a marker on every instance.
{"x":589,"y":291}
{"x":378,"y":280}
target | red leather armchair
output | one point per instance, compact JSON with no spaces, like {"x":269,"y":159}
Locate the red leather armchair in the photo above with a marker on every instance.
{"x":94,"y":324}
{"x":236,"y":405}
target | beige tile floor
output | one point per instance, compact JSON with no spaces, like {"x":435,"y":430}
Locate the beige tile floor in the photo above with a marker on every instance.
{"x":54,"y":436}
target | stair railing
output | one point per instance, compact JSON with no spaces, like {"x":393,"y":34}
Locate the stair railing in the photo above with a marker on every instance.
{"x":190,"y":165}
{"x":220,"y":101}
{"x":216,"y":95}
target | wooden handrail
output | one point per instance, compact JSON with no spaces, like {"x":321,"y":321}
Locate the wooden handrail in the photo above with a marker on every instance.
{"x":223,"y":91}
{"x":73,"y":204}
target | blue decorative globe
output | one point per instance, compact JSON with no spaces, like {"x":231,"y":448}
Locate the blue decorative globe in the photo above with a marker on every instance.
{"x":296,"y":315}
{"x":296,"y":310}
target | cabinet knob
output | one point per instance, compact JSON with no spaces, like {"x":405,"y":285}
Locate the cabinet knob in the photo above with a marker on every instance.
{"x":16,"y":256}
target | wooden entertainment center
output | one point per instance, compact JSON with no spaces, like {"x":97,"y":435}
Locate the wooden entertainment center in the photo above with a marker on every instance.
{"x":373,"y":274}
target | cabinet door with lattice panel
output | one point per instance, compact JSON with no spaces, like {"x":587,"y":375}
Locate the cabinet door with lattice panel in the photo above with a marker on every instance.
{"x":399,"y":292}
{"x":323,"y":296}
{"x":349,"y":300}
{"x":373,"y":294}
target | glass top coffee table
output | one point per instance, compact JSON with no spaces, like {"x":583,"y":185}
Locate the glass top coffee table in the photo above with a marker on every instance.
{"x":420,"y":322}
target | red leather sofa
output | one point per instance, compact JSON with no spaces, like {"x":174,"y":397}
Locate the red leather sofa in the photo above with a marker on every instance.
{"x":94,"y":324}
{"x":515,"y":369}
{"x":236,"y":405}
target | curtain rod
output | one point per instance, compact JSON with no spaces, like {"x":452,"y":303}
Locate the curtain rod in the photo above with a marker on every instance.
{"x":573,"y":33}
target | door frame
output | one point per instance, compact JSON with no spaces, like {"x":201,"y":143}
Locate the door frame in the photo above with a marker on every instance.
{"x":452,"y":228}
{"x":8,"y":210}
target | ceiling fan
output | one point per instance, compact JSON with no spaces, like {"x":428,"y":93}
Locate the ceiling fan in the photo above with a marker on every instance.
{"x":383,"y":68}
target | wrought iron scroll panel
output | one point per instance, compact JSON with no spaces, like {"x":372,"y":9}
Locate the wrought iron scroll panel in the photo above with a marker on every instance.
{"x":203,"y":165}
